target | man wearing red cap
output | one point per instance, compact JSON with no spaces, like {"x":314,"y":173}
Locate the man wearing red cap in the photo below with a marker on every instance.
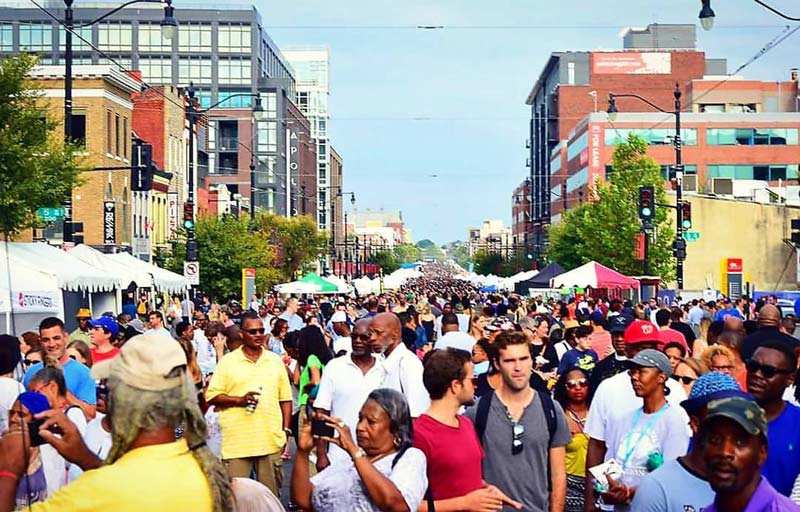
{"x":614,"y":398}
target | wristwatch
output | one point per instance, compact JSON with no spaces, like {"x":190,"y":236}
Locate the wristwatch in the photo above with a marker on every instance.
{"x":360,"y":453}
{"x":288,"y":431}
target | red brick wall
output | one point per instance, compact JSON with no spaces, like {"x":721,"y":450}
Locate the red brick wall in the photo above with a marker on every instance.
{"x":148,"y":121}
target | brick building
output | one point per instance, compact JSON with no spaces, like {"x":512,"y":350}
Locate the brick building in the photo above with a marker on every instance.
{"x":521,"y":214}
{"x":102,"y":121}
{"x":336,"y":202}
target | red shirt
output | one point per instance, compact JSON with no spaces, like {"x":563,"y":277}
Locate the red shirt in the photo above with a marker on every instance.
{"x":669,"y":335}
{"x":454,"y":456}
{"x":97,"y":356}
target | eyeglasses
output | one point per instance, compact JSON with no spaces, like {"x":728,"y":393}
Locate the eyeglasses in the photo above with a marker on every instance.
{"x":72,"y":356}
{"x":684,"y":378}
{"x":768,"y":371}
{"x":516,"y":442}
{"x":577,"y":383}
{"x":725,"y":368}
{"x":253,"y":332}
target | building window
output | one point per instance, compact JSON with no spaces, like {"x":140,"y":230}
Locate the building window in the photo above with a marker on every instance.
{"x":156,"y":70}
{"x":116,"y":135}
{"x":229,"y":99}
{"x":234,"y":71}
{"x":125,"y":137}
{"x":269,"y":102}
{"x":265,"y":174}
{"x":115,"y":37}
{"x":118,"y":62}
{"x":751,"y":136}
{"x":267,"y":137}
{"x":6,"y":37}
{"x":233,"y":39}
{"x":151,"y":39}
{"x":77,"y":43}
{"x":194,"y":38}
{"x":765,"y":172}
{"x":653,"y":136}
{"x":203,"y":96}
{"x":195,"y":70}
{"x":79,"y":129}
{"x":302,"y":101}
{"x":109,"y":138}
{"x":35,"y":37}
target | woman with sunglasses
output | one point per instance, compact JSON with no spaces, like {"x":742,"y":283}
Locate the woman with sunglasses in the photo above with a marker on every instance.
{"x":688,"y":371}
{"x":572,"y":392}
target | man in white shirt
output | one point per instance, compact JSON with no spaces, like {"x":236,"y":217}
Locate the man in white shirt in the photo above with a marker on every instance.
{"x":346,"y":383}
{"x":206,"y":355}
{"x":615,"y":397}
{"x":403,"y":367}
{"x":342,"y":341}
{"x":452,"y":336}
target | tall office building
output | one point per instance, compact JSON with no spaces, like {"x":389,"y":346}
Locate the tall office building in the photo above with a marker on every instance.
{"x":311,"y":66}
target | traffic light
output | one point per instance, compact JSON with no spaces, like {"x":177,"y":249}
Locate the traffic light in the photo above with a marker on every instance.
{"x":686,"y":215}
{"x":188,"y":216}
{"x":795,"y":237}
{"x":647,"y":207}
{"x":679,"y":249}
{"x":191,"y":250}
{"x":142,"y":167}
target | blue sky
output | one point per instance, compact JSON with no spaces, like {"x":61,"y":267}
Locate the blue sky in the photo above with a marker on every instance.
{"x":461,"y":163}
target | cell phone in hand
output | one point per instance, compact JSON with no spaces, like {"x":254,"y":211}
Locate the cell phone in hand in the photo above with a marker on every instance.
{"x":318,"y":427}
{"x":33,"y":432}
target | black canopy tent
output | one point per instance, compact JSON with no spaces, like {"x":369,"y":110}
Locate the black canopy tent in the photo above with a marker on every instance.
{"x":540,"y":280}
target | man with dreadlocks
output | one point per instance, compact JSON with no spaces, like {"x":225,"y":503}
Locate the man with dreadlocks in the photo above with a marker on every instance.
{"x":150,"y":393}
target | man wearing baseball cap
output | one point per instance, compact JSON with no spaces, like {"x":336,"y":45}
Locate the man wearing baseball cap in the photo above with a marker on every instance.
{"x":689,"y":473}
{"x":146,"y":468}
{"x":617,"y":362}
{"x":104,"y":332}
{"x":342,"y":344}
{"x":734,"y":439}
{"x":84,"y":331}
{"x":614,"y":398}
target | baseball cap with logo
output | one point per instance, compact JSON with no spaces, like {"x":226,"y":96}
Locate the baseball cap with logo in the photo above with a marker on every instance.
{"x":651,"y":358}
{"x":641,"y":331}
{"x":145,"y":362}
{"x":107,"y":323}
{"x":744,"y":411}
{"x":618,"y":323}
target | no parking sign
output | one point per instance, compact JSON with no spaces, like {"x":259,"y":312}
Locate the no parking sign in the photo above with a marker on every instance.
{"x":191,"y":271}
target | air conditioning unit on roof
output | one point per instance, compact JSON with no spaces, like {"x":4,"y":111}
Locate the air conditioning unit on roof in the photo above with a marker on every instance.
{"x":722,"y":186}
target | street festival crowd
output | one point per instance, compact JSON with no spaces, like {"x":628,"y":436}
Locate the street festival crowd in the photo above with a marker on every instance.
{"x":435,"y":396}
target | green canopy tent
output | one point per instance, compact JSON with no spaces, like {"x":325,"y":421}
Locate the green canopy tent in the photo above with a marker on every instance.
{"x":324,"y":286}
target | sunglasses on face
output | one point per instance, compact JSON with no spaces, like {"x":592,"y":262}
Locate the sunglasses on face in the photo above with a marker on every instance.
{"x":577,"y":383}
{"x":516,"y":442}
{"x":72,"y":356}
{"x":768,"y":371}
{"x":364,"y":337}
{"x":254,"y":332}
{"x":29,"y":362}
{"x":685,"y":379}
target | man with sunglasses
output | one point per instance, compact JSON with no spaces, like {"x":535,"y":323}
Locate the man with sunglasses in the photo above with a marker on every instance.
{"x":346,"y":383}
{"x":251,"y":390}
{"x":769,"y":372}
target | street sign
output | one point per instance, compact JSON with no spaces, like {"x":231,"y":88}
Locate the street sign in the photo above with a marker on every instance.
{"x":691,"y":236}
{"x":109,"y":223}
{"x":50,"y":214}
{"x":191,"y":271}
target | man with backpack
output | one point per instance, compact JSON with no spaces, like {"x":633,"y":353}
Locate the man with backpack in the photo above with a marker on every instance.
{"x":523,"y":432}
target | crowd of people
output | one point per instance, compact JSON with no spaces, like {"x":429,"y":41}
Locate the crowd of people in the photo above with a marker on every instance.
{"x":432,"y":397}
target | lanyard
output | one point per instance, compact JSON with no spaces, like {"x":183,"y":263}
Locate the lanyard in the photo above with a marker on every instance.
{"x":630,"y":448}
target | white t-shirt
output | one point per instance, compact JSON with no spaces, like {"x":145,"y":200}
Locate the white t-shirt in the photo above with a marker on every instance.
{"x":206,"y":354}
{"x":343,"y":343}
{"x":9,"y":391}
{"x":456,"y":339}
{"x":96,"y":438}
{"x":404,"y":374}
{"x":76,"y":416}
{"x":343,"y":389}
{"x":615,"y":398}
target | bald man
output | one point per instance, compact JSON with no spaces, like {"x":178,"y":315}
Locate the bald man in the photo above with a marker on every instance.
{"x":769,"y":320}
{"x":403,"y":367}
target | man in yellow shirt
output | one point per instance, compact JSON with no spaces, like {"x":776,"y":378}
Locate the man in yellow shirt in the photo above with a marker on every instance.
{"x":251,"y":390}
{"x":146,"y":468}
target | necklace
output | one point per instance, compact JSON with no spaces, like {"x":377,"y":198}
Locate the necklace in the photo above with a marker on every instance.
{"x":581,"y":422}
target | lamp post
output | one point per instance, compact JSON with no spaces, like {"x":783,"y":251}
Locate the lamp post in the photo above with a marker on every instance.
{"x":169,"y":27}
{"x":333,"y":203}
{"x":192,"y":112}
{"x":680,"y":243}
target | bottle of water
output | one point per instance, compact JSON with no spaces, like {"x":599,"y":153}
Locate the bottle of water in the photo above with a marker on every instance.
{"x":251,"y":407}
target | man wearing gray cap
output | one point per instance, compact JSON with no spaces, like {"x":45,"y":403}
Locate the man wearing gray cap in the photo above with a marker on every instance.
{"x":641,"y":440}
{"x":146,"y":469}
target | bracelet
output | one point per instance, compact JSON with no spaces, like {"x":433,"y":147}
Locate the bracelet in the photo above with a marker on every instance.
{"x":9,"y":474}
{"x":360,"y":453}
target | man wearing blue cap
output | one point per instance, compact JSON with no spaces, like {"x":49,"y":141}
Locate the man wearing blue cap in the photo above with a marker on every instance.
{"x":656,"y":492}
{"x":104,"y":331}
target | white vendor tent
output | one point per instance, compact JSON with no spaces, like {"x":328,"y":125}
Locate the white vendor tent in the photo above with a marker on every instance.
{"x":163,"y":279}
{"x":341,"y":283}
{"x":126,"y":273}
{"x":297,"y":288}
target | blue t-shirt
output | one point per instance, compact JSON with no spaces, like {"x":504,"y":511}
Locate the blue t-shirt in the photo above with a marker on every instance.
{"x":657,"y":490}
{"x":783,"y":458}
{"x":77,"y":376}
{"x":722,"y":313}
{"x":583,"y":359}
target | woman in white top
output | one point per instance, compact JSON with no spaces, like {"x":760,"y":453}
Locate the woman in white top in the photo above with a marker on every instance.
{"x":642,"y":440}
{"x":384,"y":473}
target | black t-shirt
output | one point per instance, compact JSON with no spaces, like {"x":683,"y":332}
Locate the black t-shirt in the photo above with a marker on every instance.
{"x":547,"y":351}
{"x":606,"y":369}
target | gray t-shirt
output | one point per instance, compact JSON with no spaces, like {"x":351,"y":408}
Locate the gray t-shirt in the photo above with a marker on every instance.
{"x":523,"y":477}
{"x":672,"y":488}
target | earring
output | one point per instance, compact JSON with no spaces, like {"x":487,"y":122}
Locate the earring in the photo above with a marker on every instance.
{"x":396,"y":441}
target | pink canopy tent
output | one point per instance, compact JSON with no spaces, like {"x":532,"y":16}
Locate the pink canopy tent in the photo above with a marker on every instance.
{"x":594,"y":275}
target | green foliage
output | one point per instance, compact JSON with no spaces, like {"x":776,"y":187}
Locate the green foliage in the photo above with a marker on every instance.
{"x":226,"y":246}
{"x":460,"y":254}
{"x":297,"y":242}
{"x":424,"y":244}
{"x":486,"y":263}
{"x":386,"y":260}
{"x":407,"y":253}
{"x":37,"y":168}
{"x":604,"y":230}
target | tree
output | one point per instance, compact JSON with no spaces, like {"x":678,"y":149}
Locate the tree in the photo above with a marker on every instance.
{"x":486,"y":263}
{"x":297,"y":242}
{"x":407,"y":253}
{"x":38,"y":169}
{"x":424,"y":244}
{"x":604,"y":230}
{"x":226,"y":246}
{"x":459,"y":253}
{"x":386,"y":260}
